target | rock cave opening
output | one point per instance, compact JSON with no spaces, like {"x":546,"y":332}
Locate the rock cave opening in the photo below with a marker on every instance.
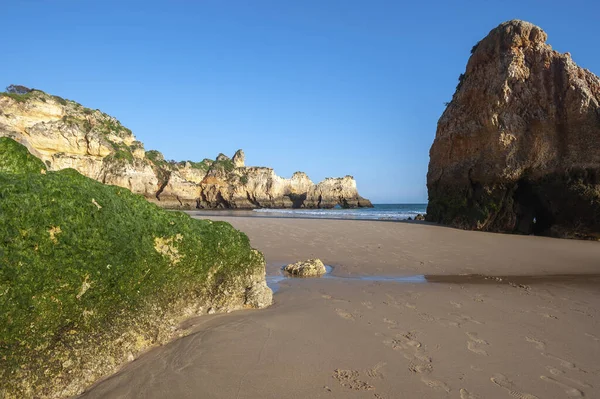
{"x":297,"y":200}
{"x":533,"y":215}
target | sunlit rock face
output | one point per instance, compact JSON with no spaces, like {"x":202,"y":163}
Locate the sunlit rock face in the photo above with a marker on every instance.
{"x":518,"y":147}
{"x":64,"y":134}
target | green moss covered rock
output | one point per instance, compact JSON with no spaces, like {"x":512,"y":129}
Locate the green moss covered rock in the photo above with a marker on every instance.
{"x":14,"y":158}
{"x":92,"y":274}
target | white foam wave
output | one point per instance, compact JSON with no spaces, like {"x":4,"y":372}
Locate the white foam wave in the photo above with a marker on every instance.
{"x":367,"y":214}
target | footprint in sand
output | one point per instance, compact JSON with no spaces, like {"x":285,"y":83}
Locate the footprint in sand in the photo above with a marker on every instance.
{"x":390,"y":297}
{"x":563,"y":362}
{"x":474,"y":343}
{"x":349,"y":379}
{"x":557,"y":372}
{"x":403,"y":342}
{"x":473,"y":337}
{"x":413,"y":351}
{"x":410,"y":341}
{"x":367,"y":305}
{"x":426,"y":317}
{"x":421,"y":356}
{"x":435,"y":384}
{"x":375,"y":372}
{"x":389,"y":321}
{"x":464,"y":394}
{"x":538,"y":344}
{"x":420,"y":368}
{"x":569,"y":390}
{"x":592,"y":336}
{"x":345,"y":315}
{"x":447,"y":323}
{"x":331,"y":298}
{"x":548,"y":316}
{"x":464,"y":318}
{"x":503,"y":382}
{"x":472,"y":346}
{"x":583,"y":312}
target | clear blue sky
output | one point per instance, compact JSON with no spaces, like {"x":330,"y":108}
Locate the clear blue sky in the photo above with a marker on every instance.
{"x":327,"y":87}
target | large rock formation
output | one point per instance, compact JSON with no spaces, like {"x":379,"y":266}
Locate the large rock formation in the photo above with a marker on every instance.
{"x":92,"y":275}
{"x":335,"y":191}
{"x":64,"y":134}
{"x":518,"y":147}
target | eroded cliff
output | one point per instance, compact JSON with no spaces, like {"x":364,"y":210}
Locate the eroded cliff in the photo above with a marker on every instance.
{"x":518,"y":147}
{"x":65,"y":134}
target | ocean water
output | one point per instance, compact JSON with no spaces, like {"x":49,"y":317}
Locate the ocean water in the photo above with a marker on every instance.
{"x":378,"y":212}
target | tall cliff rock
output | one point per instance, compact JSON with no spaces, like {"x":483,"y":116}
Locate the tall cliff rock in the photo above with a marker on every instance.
{"x":518,"y":147}
{"x":64,"y":134}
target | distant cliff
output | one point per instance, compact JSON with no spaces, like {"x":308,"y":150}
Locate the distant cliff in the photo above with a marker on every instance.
{"x":518,"y":147}
{"x":65,"y":134}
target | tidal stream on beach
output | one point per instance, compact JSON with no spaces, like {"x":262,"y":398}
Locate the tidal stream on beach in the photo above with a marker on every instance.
{"x":275,"y":275}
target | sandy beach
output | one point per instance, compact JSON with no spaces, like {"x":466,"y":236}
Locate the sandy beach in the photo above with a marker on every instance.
{"x":530,"y":331}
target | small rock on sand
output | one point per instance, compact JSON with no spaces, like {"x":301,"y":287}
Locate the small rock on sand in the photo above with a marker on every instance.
{"x":307,"y":268}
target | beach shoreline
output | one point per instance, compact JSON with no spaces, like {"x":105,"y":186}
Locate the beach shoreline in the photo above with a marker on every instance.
{"x":382,"y":212}
{"x":461,"y":336}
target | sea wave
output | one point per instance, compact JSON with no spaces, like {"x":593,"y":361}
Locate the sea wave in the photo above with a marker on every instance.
{"x":359,"y":214}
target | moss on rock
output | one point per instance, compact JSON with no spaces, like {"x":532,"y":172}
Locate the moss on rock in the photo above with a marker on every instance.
{"x":14,"y":158}
{"x":84,"y":285}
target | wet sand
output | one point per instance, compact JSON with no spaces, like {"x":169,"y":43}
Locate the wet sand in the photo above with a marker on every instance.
{"x":493,"y":316}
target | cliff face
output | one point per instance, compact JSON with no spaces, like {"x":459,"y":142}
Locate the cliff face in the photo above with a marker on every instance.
{"x":226,"y":186}
{"x":517,"y":148}
{"x":65,"y":134}
{"x":335,"y":191}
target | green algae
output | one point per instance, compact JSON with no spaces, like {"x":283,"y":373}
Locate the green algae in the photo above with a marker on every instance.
{"x":15,"y":159}
{"x":89,"y":272}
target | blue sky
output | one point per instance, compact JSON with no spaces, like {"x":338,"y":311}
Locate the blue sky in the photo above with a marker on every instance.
{"x":327,"y":87}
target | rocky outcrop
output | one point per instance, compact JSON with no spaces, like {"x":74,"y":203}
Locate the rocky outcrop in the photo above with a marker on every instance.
{"x":517,"y":148}
{"x":98,"y":275}
{"x":64,"y":134}
{"x":336,"y":191}
{"x":307,"y":268}
{"x":239,"y":159}
{"x":257,"y":187}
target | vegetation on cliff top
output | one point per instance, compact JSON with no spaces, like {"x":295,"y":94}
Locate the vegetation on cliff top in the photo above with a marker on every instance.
{"x":222,"y":165}
{"x":91,"y":272}
{"x":204,"y":165}
{"x":116,"y":136}
{"x":22,"y":94}
{"x":85,"y":119}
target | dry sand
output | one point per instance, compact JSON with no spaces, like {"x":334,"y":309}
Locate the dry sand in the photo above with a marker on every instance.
{"x":459,"y":337}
